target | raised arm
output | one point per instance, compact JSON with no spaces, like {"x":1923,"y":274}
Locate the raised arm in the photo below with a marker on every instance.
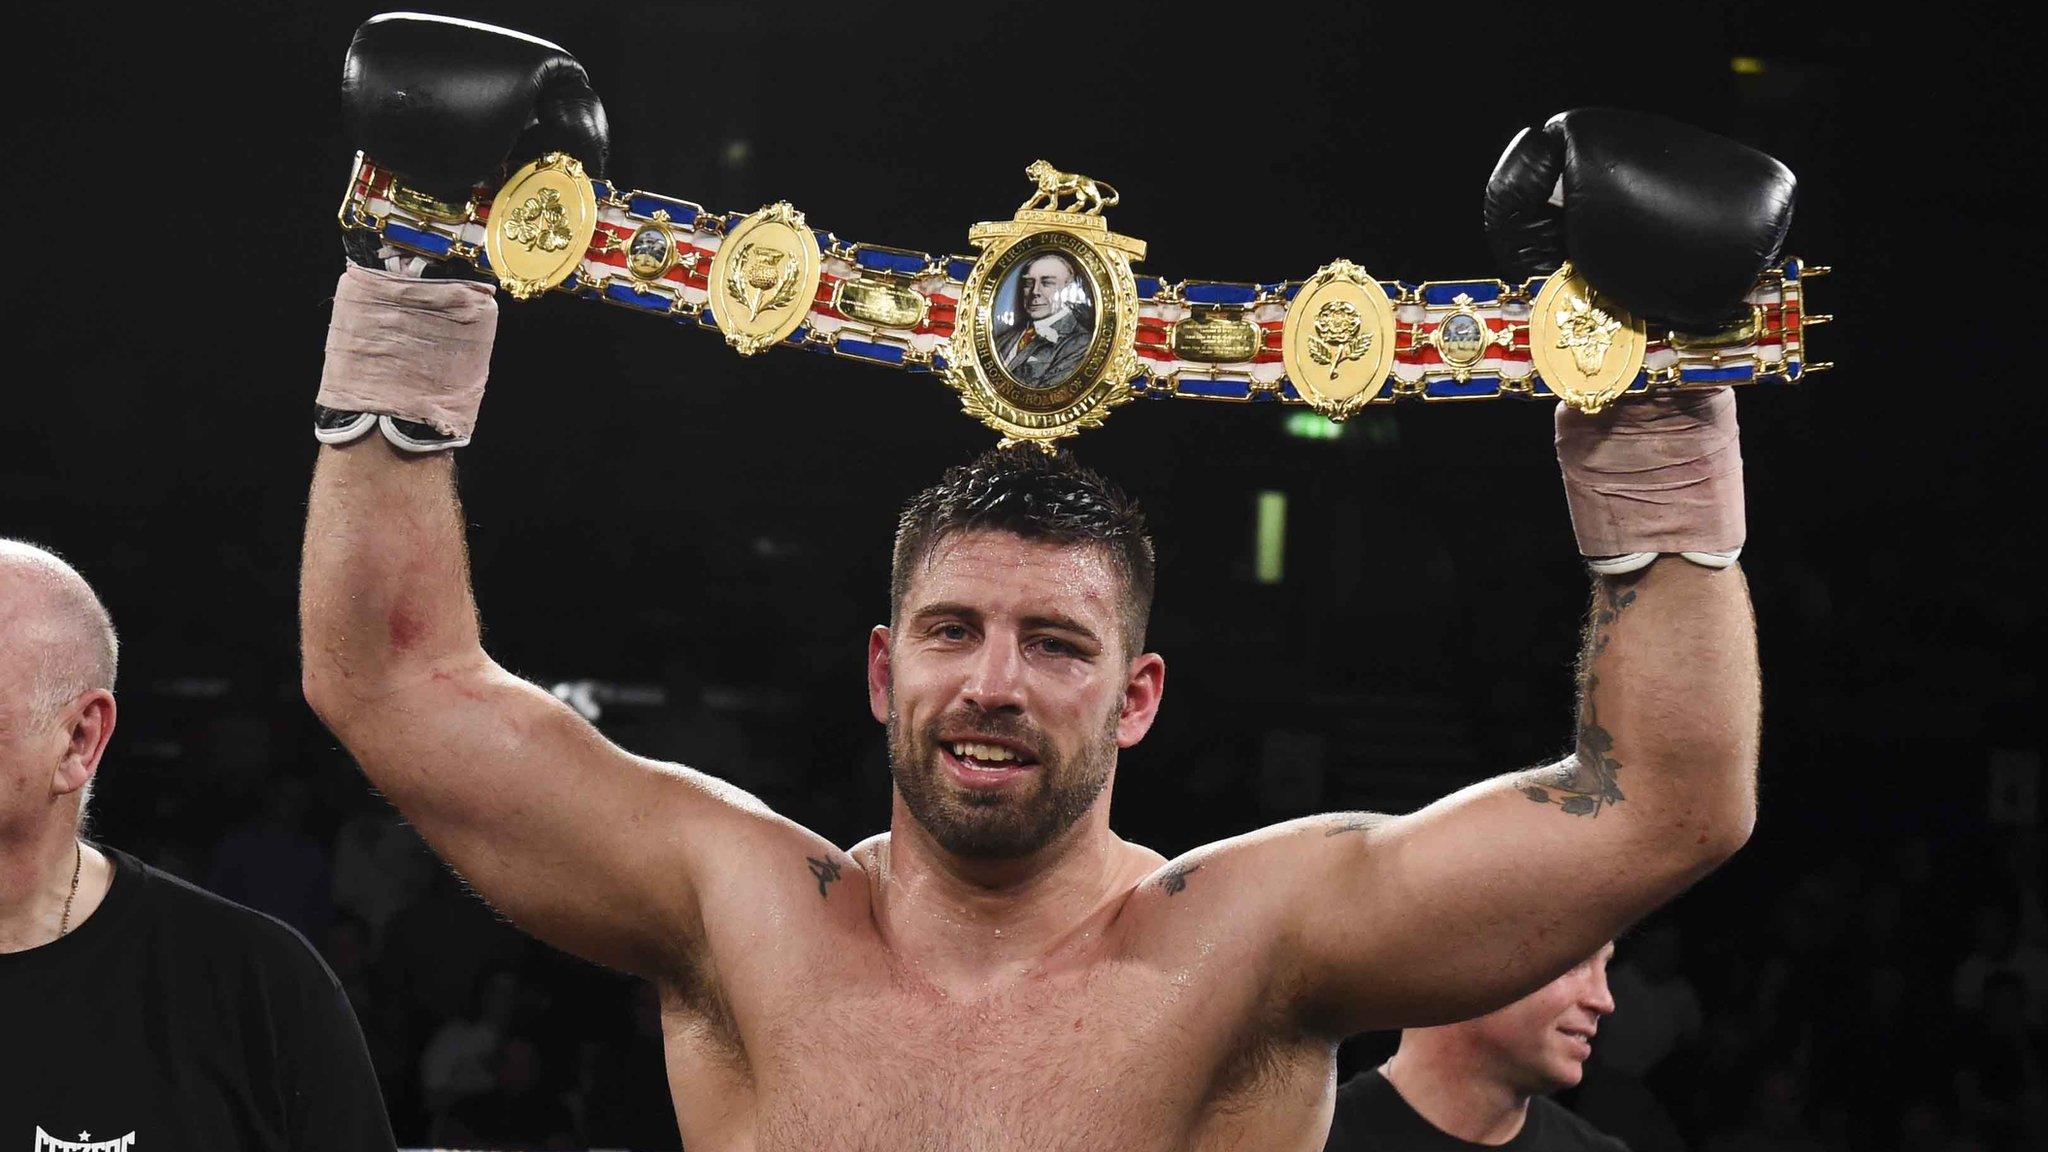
{"x":590,"y":848}
{"x":597,"y":851}
{"x":1454,"y":910}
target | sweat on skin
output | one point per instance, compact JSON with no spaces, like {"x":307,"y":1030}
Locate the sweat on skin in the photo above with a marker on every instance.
{"x":893,"y":993}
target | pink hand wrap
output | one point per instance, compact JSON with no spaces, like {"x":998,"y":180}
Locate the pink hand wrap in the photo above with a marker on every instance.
{"x":416,"y":349}
{"x":1655,"y":476}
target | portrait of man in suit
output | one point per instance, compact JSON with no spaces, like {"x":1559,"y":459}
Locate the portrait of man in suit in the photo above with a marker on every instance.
{"x":1050,"y":323}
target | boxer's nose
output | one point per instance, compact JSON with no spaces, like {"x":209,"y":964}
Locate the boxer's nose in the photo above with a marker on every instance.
{"x":995,"y":677}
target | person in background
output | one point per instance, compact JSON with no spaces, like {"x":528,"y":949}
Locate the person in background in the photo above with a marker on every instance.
{"x":1483,"y":1082}
{"x":142,"y":1009}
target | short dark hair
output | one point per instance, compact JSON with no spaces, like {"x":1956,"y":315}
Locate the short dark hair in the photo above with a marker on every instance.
{"x":1038,"y":495}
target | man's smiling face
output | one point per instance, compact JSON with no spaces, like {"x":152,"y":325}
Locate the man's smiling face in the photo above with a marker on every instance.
{"x":1007,"y":690}
{"x":1544,"y":1039}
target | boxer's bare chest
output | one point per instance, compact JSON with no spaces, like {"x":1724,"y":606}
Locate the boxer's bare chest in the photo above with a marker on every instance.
{"x":1116,"y":1054}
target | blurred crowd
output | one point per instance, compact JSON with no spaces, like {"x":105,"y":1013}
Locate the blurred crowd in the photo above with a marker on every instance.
{"x":1887,"y":1001}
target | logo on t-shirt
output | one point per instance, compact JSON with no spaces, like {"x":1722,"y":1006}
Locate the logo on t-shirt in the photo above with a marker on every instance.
{"x":85,"y":1143}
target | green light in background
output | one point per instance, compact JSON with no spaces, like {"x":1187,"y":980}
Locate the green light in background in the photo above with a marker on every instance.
{"x":1376,"y":428}
{"x":1747,"y":66}
{"x":1272,"y":534}
{"x":1310,"y":426}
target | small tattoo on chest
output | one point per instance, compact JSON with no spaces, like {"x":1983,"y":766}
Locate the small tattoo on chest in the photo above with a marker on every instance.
{"x":1176,"y":877}
{"x":825,"y":871}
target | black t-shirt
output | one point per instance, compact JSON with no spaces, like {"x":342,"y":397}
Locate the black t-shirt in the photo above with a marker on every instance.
{"x":1372,"y":1117}
{"x":186,"y":1022}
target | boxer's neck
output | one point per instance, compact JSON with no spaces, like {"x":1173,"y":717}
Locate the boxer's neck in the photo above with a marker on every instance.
{"x":36,"y":867}
{"x":1455,"y":1088}
{"x":972,"y":924}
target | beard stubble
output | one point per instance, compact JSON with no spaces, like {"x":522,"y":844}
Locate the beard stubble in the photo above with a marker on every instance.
{"x":1006,"y":823}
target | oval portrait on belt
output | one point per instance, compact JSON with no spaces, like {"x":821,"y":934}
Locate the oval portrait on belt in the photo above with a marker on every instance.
{"x":1044,"y":319}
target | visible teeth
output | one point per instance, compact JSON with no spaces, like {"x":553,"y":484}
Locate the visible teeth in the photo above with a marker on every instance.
{"x":991,"y":752}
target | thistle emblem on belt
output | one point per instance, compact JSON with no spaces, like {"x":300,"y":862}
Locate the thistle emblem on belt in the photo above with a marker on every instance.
{"x":764,"y":278}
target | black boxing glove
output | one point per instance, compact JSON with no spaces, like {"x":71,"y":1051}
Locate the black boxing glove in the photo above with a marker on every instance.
{"x":1670,"y":221}
{"x":445,"y":103}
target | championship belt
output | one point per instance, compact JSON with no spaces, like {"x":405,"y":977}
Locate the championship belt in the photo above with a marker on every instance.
{"x":1048,"y":329}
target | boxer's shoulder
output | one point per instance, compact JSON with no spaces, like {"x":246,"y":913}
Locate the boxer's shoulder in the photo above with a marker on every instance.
{"x":1215,"y":915}
{"x":1229,"y":879}
{"x":780,"y":907}
{"x":772,"y":875}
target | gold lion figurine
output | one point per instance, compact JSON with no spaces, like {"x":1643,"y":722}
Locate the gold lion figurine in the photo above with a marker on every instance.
{"x":1089,"y":195}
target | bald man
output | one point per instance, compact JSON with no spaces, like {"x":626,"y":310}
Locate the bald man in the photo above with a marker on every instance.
{"x":135,"y":1009}
{"x":1483,"y":1083}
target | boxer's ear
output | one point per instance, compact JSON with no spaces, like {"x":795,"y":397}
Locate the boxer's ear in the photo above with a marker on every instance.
{"x":1147,"y":683}
{"x":879,"y":673}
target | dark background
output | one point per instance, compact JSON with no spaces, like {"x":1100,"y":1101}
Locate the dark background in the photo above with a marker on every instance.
{"x":648,"y":509}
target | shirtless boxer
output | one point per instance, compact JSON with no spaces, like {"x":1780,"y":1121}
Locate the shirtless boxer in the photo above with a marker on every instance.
{"x":999,"y":970}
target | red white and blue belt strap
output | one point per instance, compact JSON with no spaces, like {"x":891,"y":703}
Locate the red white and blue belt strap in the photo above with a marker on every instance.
{"x":1209,"y":340}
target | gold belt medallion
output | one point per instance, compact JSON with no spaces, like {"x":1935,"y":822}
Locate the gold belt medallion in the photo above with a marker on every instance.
{"x":542,"y":222}
{"x":1047,"y":337}
{"x":765,"y":278}
{"x":1338,"y":339}
{"x":1586,"y":349}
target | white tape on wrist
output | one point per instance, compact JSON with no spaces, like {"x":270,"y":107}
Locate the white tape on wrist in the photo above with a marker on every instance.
{"x":417,"y":350}
{"x":1656,"y":476}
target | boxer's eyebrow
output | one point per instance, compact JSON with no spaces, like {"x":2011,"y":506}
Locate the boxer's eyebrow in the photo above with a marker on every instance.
{"x":946,"y":609}
{"x":1062,"y":623}
{"x":1057,"y":621}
